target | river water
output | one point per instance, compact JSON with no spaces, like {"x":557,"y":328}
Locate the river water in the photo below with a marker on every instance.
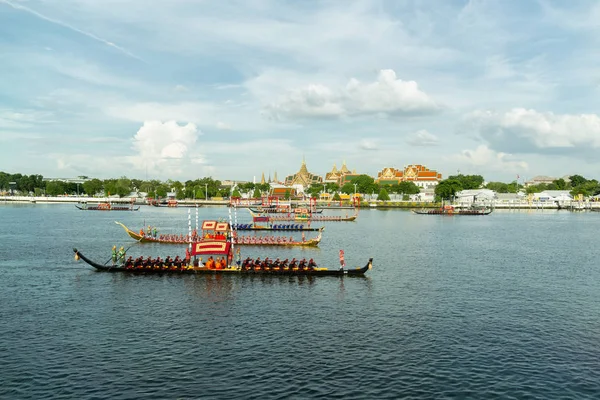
{"x":502,"y":306}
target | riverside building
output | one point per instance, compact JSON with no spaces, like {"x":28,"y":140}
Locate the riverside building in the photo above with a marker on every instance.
{"x":420,"y":175}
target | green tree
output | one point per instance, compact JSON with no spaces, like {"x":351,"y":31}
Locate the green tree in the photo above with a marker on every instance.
{"x":55,"y":188}
{"x":246,"y":187}
{"x":236,"y":193}
{"x":4,"y":180}
{"x":499,"y":187}
{"x":383,"y":195}
{"x":447,"y":188}
{"x":264,"y":187}
{"x":287,"y":194}
{"x":536,"y":188}
{"x":336,"y":197}
{"x":93,"y":186}
{"x":560,"y":184}
{"x":513,"y":187}
{"x":577,"y":180}
{"x":256,"y":194}
{"x":365,"y":184}
{"x":348,"y":188}
{"x":314,"y":190}
{"x":331,"y":187}
{"x":468,"y":181}
{"x":587,"y":188}
{"x":162,"y":190}
{"x":408,"y":187}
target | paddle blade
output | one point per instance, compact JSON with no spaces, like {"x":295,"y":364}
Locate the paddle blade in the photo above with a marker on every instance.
{"x":76,"y":257}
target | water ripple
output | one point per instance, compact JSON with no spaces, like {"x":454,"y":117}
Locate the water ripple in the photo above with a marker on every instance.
{"x":454,"y":308}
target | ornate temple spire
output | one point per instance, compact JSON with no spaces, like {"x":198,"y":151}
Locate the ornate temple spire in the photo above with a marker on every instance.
{"x":262,"y":180}
{"x":275,"y":177}
{"x":344,"y":169}
{"x":303,"y":169}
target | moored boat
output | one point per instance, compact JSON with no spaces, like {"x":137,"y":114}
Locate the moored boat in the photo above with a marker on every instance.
{"x":174,"y":204}
{"x":106,"y":207}
{"x":307,"y":217}
{"x":450,"y":210}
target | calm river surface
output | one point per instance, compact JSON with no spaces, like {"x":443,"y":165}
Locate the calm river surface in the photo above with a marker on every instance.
{"x":502,"y":306}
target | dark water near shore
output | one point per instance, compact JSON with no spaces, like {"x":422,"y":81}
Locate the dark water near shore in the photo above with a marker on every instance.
{"x":504,"y":306}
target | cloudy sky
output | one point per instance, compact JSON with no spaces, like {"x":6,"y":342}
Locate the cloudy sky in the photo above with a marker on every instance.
{"x":190,"y":88}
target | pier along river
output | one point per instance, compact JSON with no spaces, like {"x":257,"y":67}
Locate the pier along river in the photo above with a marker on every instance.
{"x":501,"y":306}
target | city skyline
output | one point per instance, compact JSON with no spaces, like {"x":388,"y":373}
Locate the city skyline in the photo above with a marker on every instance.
{"x":234,"y":89}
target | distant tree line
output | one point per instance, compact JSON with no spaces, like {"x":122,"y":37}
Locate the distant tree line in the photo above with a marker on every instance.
{"x":209,"y":187}
{"x":576,"y":184}
{"x":35,"y":184}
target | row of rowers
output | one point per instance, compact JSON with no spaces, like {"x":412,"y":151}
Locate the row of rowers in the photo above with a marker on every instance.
{"x":276,"y":265}
{"x":266,"y":239}
{"x":174,"y":263}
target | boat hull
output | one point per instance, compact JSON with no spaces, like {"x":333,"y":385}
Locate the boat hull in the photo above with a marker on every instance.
{"x":312,"y":218}
{"x":226,"y":271}
{"x":112,"y":208}
{"x":275,"y":211}
{"x":146,"y":239}
{"x":456,"y":212}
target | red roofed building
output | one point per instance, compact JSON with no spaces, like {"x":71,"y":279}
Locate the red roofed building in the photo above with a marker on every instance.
{"x":281,"y":192}
{"x":422,"y":176}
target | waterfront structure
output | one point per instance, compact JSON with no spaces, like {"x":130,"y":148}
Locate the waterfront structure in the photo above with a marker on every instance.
{"x":536,"y":180}
{"x":553,"y":195}
{"x":282,"y":191}
{"x":303,"y":177}
{"x":470,"y":196}
{"x":79,"y":179}
{"x":340,"y":176}
{"x":420,"y":175}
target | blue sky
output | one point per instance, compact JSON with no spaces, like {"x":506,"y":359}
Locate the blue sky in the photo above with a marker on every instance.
{"x":183,"y":89}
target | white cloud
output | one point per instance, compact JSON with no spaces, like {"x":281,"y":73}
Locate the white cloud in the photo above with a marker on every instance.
{"x":388,"y":95}
{"x":168,"y":147}
{"x":487,"y":159}
{"x":526,"y":130}
{"x":15,"y":119}
{"x":423,"y":138}
{"x":368,"y":144}
{"x":223,"y":126}
{"x":181,"y":88}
